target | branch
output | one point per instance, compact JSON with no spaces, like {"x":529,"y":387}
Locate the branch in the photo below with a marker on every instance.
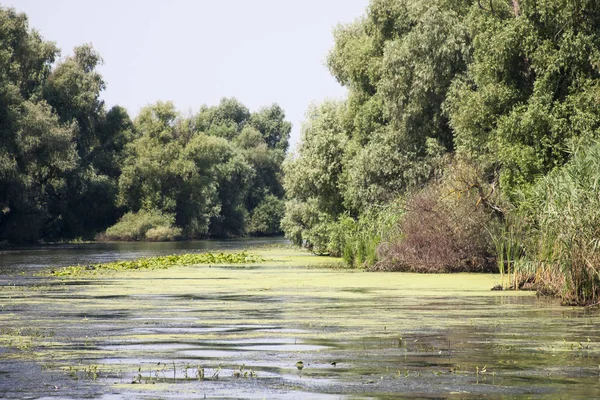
{"x":480,"y":6}
{"x":516,"y":7}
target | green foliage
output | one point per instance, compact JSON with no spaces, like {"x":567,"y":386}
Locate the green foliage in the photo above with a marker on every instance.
{"x":73,"y":89}
{"x":53,"y":157}
{"x":144,"y":224}
{"x":69,"y":167}
{"x":315,"y":172}
{"x":209,"y":182}
{"x":162,"y":234}
{"x":271,"y":123}
{"x":561,"y":231}
{"x":266,"y":217}
{"x":531,"y":89}
{"x":504,"y":89}
{"x":392,"y":132}
{"x":161,"y":262}
{"x":358,"y":240}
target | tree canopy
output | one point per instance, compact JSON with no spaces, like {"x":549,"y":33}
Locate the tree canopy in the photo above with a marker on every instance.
{"x":70,"y":167}
{"x":457,"y":113}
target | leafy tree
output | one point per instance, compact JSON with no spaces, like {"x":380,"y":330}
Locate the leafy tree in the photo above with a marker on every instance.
{"x":531,"y":88}
{"x":266,"y":217}
{"x":69,"y":167}
{"x":271,"y":123}
{"x":73,"y":90}
{"x":398,"y":63}
{"x":36,"y":149}
{"x":211,"y":184}
{"x":225,"y":120}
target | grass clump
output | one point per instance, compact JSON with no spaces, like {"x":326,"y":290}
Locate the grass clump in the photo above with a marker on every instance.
{"x":151,"y":225}
{"x":562,"y":229}
{"x":161,"y":262}
{"x":357,"y":240}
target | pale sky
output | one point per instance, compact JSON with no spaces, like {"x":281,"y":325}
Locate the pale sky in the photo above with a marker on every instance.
{"x":196,"y":52}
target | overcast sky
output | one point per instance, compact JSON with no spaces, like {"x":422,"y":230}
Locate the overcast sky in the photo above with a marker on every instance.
{"x":196,"y":52}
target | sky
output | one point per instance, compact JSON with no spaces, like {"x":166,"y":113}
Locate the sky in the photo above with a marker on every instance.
{"x":196,"y":52}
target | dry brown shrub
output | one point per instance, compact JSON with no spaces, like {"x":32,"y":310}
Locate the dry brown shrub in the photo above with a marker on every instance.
{"x":445,"y":229}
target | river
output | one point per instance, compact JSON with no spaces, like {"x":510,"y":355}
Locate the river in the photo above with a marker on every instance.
{"x":33,"y":258}
{"x":290,"y":327}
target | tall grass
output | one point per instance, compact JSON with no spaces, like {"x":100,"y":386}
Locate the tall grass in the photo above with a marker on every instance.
{"x":359,"y":239}
{"x":509,"y":251}
{"x":562,"y":215}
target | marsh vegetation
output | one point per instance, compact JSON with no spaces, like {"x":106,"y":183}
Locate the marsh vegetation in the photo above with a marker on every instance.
{"x":241,"y":330}
{"x":468,"y":142}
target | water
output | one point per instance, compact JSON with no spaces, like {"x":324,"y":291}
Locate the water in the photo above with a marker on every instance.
{"x":33,"y":258}
{"x":359,"y":335}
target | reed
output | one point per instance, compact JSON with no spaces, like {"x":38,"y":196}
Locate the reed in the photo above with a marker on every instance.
{"x":562,"y":215}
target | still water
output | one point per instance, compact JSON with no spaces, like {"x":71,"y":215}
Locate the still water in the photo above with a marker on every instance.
{"x":32,"y":258}
{"x":223,"y":331}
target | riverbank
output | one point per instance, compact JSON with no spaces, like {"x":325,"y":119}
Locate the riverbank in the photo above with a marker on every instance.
{"x":239,"y":330}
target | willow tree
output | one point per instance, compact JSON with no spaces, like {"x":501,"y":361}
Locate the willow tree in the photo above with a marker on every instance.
{"x":398,"y":62}
{"x":531,"y":89}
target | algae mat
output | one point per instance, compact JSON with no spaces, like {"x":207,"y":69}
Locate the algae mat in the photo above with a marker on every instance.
{"x":290,"y":327}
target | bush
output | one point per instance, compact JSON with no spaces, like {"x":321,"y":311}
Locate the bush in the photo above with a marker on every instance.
{"x":446,"y":227}
{"x":143,"y":225}
{"x":306,"y":226}
{"x":357,"y":240}
{"x":162,"y":234}
{"x":266,"y":217}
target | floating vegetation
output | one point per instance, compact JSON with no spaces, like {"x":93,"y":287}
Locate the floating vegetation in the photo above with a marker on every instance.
{"x":162,"y":262}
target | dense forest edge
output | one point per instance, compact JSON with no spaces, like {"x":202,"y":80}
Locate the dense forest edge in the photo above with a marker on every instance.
{"x":468,"y":142}
{"x":70,"y":168}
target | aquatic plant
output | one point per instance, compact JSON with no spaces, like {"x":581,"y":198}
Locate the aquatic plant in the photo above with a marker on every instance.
{"x":508,"y":243}
{"x":562,"y":215}
{"x":161,"y":262}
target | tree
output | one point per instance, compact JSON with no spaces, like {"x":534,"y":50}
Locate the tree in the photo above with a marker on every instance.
{"x":172,"y":168}
{"x":271,"y":123}
{"x":73,"y":90}
{"x":531,"y":88}
{"x":398,"y":63}
{"x":36,"y":149}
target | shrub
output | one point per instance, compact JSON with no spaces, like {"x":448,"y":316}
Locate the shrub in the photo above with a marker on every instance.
{"x":162,"y":234}
{"x":446,"y":227}
{"x":306,"y":226}
{"x":266,"y":217}
{"x":145,"y":224}
{"x":357,"y":240}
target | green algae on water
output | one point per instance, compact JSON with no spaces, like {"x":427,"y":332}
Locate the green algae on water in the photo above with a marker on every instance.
{"x":161,"y":262}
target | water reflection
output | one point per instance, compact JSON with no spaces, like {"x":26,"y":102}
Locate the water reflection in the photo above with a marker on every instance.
{"x":27,"y":259}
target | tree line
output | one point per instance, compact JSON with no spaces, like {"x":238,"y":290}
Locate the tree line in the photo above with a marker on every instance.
{"x":71,"y":168}
{"x":467,"y":142}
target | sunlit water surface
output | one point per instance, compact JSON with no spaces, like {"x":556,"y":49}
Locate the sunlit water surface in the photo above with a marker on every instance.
{"x":239,"y":331}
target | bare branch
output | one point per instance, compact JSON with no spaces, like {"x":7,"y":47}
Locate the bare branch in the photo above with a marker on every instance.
{"x":516,"y":7}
